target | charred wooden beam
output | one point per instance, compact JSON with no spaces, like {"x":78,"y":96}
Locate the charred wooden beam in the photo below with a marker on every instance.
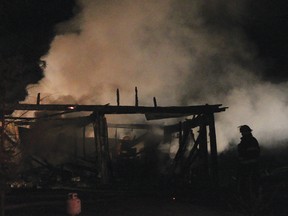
{"x":84,"y":141}
{"x":102,"y":146}
{"x":136,"y":97}
{"x":38,"y":99}
{"x":193,"y":153}
{"x":107,"y":109}
{"x":97,"y":144}
{"x":106,"y":153}
{"x":184,"y":131}
{"x":203,"y":150}
{"x":213,"y":149}
{"x":40,"y":117}
{"x":154,"y":101}
{"x":118,"y":97}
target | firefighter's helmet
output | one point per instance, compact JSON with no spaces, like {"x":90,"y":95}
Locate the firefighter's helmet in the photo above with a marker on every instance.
{"x":244,"y":128}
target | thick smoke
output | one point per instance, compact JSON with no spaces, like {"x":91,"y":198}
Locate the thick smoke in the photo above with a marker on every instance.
{"x":120,"y":46}
{"x":182,"y":52}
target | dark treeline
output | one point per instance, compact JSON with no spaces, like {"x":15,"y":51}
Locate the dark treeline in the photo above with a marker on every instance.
{"x":27,"y":29}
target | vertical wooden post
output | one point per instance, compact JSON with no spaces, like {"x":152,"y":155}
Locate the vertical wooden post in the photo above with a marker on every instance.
{"x":97,"y":143}
{"x":102,"y":145}
{"x":203,"y":150}
{"x":136,"y":97}
{"x":180,"y":133}
{"x":154,"y":101}
{"x":118,"y":97}
{"x":38,"y":99}
{"x":179,"y":153}
{"x":213,"y":148}
{"x":106,"y":152}
{"x":84,"y":141}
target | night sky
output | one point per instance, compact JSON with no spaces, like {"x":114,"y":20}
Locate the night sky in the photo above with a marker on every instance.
{"x":265,"y":24}
{"x":267,"y":27}
{"x":28,"y":27}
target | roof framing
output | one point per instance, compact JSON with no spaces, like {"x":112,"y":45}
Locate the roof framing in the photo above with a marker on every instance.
{"x":107,"y":109}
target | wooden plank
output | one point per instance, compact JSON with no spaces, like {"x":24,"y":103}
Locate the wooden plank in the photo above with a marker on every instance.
{"x":107,"y":109}
{"x":158,"y":116}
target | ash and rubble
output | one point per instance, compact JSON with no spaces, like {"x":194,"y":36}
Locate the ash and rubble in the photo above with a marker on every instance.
{"x":77,"y":151}
{"x":56,"y":153}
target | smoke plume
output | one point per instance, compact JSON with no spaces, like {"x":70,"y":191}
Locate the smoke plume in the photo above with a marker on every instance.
{"x":182,"y":52}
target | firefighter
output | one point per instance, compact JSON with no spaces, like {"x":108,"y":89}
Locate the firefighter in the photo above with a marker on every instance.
{"x":248,"y":172}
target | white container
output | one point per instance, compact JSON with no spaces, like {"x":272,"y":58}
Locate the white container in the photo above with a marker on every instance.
{"x":73,"y":204}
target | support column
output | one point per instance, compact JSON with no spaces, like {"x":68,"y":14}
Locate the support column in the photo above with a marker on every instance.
{"x":84,"y":141}
{"x":213,"y":149}
{"x":102,"y":147}
{"x":203,"y":150}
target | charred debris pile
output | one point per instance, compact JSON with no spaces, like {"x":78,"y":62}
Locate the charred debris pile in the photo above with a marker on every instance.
{"x":68,"y":145}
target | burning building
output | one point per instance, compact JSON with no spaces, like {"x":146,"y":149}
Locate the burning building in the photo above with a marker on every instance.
{"x":54,"y":141}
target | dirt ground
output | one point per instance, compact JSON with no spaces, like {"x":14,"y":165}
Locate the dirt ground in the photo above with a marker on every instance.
{"x":110,"y":203}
